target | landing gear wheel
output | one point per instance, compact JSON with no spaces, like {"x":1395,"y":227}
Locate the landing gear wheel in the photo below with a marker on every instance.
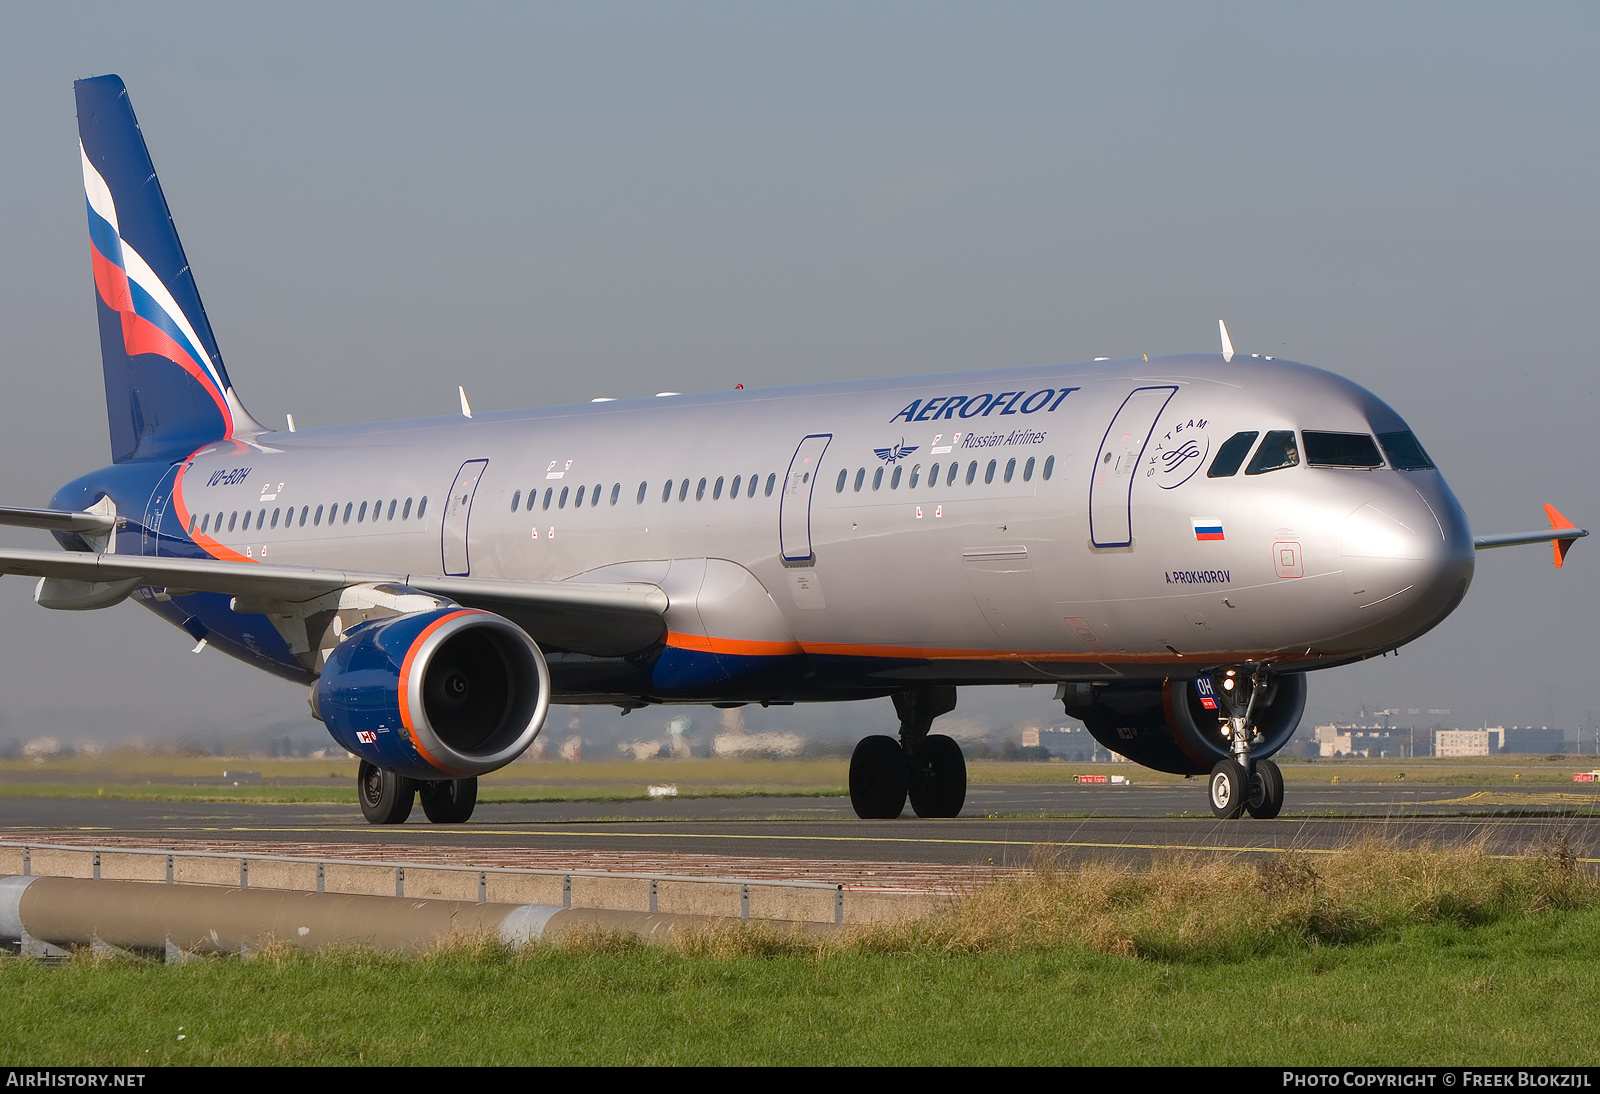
{"x":878,"y":778}
{"x":1265,"y":796}
{"x":1228,"y":782}
{"x":449,"y":801}
{"x":938,"y":778}
{"x":385,"y":796}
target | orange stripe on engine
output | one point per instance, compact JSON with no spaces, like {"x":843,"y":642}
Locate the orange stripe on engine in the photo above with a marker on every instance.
{"x":405,"y":681}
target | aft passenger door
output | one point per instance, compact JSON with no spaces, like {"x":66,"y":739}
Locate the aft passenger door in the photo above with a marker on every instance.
{"x":1111,"y":483}
{"x":457,"y":513}
{"x":794,"y":508}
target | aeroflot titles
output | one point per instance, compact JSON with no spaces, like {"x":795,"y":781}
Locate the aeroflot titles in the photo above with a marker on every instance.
{"x":941,"y":407}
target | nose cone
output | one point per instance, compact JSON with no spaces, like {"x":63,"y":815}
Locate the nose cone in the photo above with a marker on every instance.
{"x":1407,"y":558}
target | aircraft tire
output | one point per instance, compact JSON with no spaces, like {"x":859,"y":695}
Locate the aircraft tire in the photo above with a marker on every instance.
{"x":449,"y":801}
{"x":939,"y":785}
{"x":878,"y":778}
{"x":385,"y":796}
{"x":1265,"y":797}
{"x":1227,"y":789}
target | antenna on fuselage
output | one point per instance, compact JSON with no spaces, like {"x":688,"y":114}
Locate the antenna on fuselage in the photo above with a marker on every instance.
{"x":1227,"y":347}
{"x":291,"y":422}
{"x":466,"y":408}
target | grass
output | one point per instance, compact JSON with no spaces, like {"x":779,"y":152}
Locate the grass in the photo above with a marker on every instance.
{"x":1371,"y":956}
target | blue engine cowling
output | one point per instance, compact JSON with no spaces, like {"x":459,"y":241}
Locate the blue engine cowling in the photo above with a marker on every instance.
{"x":447,"y":693}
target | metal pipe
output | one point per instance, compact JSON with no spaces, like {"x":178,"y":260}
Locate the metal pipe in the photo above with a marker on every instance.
{"x":138,"y":915}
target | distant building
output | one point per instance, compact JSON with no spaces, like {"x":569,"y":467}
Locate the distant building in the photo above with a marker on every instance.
{"x":1467,"y":742}
{"x":1539,"y":740}
{"x":1072,"y":743}
{"x":1395,"y":742}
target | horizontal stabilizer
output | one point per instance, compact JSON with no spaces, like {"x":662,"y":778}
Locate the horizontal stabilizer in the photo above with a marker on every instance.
{"x":58,"y":520}
{"x":1561,"y":535}
{"x":599,"y":618}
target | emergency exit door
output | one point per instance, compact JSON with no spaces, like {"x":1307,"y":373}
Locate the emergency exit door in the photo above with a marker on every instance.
{"x":457,"y":515}
{"x":794,"y":509}
{"x":1117,"y":463}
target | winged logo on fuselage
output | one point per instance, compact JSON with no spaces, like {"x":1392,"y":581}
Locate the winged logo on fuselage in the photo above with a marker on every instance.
{"x":896,"y":452}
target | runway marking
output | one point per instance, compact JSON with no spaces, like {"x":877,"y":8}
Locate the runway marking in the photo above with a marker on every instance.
{"x":1082,"y":844}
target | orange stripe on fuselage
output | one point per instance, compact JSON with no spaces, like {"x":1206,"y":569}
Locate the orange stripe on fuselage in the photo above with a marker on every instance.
{"x":735,"y":646}
{"x":205,"y":543}
{"x":747,"y":648}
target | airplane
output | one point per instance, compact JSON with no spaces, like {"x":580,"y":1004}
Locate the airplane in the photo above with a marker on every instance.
{"x":1173,"y":544}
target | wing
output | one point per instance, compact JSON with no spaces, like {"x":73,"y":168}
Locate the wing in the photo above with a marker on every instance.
{"x":598,"y":618}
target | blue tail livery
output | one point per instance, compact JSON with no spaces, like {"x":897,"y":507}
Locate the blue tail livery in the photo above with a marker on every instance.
{"x":167,"y":391}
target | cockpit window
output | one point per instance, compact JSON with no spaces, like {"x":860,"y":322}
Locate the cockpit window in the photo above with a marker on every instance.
{"x":1340,"y":450}
{"x":1232,"y":454}
{"x":1276,"y":452}
{"x":1404,"y":453}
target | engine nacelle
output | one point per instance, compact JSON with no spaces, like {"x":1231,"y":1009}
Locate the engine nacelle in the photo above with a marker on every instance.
{"x":447,"y":693}
{"x":1164,"y":726}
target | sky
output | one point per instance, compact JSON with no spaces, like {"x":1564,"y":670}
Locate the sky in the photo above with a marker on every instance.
{"x":546,"y":203}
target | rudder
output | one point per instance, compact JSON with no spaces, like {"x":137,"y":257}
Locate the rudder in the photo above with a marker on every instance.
{"x":167,"y":391}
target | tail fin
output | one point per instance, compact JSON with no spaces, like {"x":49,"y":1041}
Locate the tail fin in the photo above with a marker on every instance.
{"x":167,"y":392}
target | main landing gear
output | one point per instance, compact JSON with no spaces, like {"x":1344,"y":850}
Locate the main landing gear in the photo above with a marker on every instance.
{"x":387,"y":797}
{"x":926,"y":767}
{"x":1240,"y":784}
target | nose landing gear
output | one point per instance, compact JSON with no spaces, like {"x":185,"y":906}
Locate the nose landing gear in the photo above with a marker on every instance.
{"x":927,"y":767}
{"x":1239,"y":784}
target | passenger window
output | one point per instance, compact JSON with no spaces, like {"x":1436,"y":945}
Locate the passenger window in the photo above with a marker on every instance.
{"x":1231,"y":454}
{"x":578,"y":502}
{"x":218,"y":527}
{"x":1404,"y":451}
{"x":405,"y":514}
{"x":972,"y":471}
{"x":422,"y":506}
{"x":716,"y":491}
{"x":1049,"y":467}
{"x":1011,"y":469}
{"x":245,"y":527}
{"x":361,"y":514}
{"x":316,"y":519}
{"x":194,"y":522}
{"x":700,"y":491}
{"x":1340,"y":449}
{"x":616,"y":492}
{"x":549,"y":496}
{"x":392,"y":503}
{"x":666,"y":491}
{"x":305,"y":511}
{"x":894,"y":480}
{"x":565,"y":491}
{"x":754,"y":482}
{"x":933,"y":475}
{"x":861,"y":478}
{"x":275,"y":514}
{"x":261,"y":520}
{"x":594,"y":496}
{"x":838,"y":487}
{"x":877,"y":478}
{"x":915,"y":471}
{"x":1277,"y":451}
{"x":772,"y":480}
{"x":643,"y":487}
{"x":683,"y":490}
{"x":733,"y":491}
{"x":205,"y":524}
{"x":516,"y":501}
{"x":233,"y":518}
{"x":1027,"y":470}
{"x":988,"y":473}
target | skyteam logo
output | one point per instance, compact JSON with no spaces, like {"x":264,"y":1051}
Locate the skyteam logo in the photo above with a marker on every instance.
{"x":895,"y":453}
{"x":1178,"y":453}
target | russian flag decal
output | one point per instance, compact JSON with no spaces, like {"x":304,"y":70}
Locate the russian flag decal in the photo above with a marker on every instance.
{"x":1207,"y":527}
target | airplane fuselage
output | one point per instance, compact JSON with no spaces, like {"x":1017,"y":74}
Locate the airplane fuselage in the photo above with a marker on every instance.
{"x":1064,"y":523}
